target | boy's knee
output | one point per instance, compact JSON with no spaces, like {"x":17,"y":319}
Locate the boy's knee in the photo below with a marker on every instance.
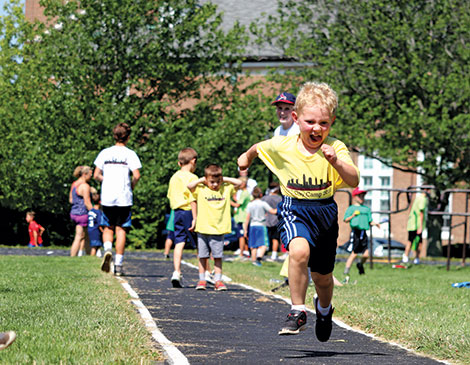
{"x":299,"y":246}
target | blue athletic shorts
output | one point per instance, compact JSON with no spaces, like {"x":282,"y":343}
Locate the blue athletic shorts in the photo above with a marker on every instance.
{"x":96,"y":243}
{"x":257,"y":236}
{"x":183,"y":221}
{"x":317,"y":222}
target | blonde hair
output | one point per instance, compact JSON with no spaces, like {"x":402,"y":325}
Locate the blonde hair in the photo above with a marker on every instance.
{"x":93,"y":190}
{"x":317,"y":93}
{"x":81,"y":170}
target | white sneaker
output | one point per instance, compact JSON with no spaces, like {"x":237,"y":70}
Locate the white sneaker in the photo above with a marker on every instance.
{"x":237,"y":252}
{"x":405,"y":259}
{"x":209,"y":278}
{"x":416,"y":261}
{"x":246,"y":253}
{"x":99,"y":253}
{"x":177,"y":280}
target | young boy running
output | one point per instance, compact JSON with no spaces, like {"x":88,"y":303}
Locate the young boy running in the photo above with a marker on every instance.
{"x":182,"y":202}
{"x":310,"y":167}
{"x":213,"y":193}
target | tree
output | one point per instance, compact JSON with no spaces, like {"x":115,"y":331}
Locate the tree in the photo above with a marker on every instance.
{"x":403,"y":75}
{"x":160,"y":66}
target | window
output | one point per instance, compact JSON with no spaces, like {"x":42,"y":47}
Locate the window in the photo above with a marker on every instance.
{"x":368,"y":163}
{"x":384,"y":205}
{"x":367,"y":180}
{"x":385,"y":181}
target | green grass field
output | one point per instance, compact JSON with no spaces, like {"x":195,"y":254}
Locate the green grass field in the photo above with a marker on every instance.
{"x":416,"y":307}
{"x":66,"y":311}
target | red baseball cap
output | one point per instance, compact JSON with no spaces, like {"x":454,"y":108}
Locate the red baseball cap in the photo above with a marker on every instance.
{"x":287,"y":98}
{"x":358,"y":191}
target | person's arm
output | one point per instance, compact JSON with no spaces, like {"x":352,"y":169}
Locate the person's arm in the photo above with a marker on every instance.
{"x":347,"y":172}
{"x":135,"y":178}
{"x":194,"y":213}
{"x":85,"y":192}
{"x":420,"y":222}
{"x":375,"y":224}
{"x":246,"y":158}
{"x":70,"y":194}
{"x":41,"y":230}
{"x":348,"y":219}
{"x":235,"y":182}
{"x":245,"y":225}
{"x":35,"y":238}
{"x":192,"y":185}
{"x":98,"y":174}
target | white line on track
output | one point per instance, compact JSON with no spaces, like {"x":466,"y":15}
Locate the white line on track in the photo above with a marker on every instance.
{"x":174,"y":356}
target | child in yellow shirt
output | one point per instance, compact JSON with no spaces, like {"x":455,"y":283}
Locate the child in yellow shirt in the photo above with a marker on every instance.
{"x":182,"y":202}
{"x":310,"y":166}
{"x":213,"y":220}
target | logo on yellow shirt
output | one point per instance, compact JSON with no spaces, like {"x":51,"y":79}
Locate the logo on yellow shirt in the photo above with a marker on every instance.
{"x":308,"y":184}
{"x":214,"y":198}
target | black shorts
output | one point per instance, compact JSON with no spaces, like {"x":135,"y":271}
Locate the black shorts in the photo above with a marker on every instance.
{"x":415,"y":241}
{"x":359,"y":240}
{"x":116,"y":216}
{"x":273,"y":234}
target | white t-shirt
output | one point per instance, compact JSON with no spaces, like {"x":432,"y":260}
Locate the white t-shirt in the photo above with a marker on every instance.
{"x":294,"y":129}
{"x":258,"y":209}
{"x":117,"y":163}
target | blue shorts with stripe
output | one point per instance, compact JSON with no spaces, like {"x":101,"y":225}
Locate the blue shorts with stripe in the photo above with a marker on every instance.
{"x":317,"y":222}
{"x":258,"y":236}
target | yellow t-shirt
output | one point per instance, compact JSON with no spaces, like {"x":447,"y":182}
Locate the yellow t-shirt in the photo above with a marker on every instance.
{"x":300,"y":176}
{"x":178,"y":193}
{"x":213,"y":209}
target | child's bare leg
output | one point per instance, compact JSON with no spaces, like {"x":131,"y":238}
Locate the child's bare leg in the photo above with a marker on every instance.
{"x":275,"y":245}
{"x":324,"y":286}
{"x":349,"y":262}
{"x":218,"y":266}
{"x":93,"y":251}
{"x":202,"y":265}
{"x":299,"y":253}
{"x":108,"y":235}
{"x":261,"y":251}
{"x":177,"y":256}
{"x":253,"y":254}
{"x":78,"y":239}
{"x":120,"y":240}
{"x":365,"y":256}
{"x":168,"y":244}
{"x":241,"y":245}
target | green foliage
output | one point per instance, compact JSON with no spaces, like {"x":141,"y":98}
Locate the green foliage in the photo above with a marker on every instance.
{"x":159,"y":66}
{"x":401,"y":70}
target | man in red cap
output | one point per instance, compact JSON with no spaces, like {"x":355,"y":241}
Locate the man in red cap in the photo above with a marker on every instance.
{"x":359,"y":218}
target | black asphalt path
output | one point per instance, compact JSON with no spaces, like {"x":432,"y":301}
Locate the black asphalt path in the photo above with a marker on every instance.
{"x":239,"y":326}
